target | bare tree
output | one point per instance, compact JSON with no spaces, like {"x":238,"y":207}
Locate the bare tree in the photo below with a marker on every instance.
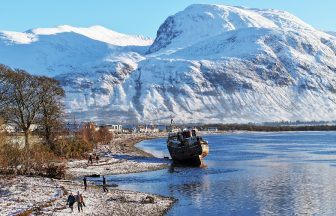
{"x":21,"y":102}
{"x":51,"y":109}
{"x":88,"y":132}
{"x":4,"y":87}
{"x":26,"y":99}
{"x":104,"y":135}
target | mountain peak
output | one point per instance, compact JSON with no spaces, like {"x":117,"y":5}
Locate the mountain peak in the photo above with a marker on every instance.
{"x":199,"y":22}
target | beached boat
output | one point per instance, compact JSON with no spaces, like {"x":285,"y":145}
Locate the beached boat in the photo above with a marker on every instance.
{"x":185,"y":147}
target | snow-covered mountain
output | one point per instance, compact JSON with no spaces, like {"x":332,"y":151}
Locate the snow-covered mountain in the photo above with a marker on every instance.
{"x":331,"y":33}
{"x":67,"y":49}
{"x":208,"y":63}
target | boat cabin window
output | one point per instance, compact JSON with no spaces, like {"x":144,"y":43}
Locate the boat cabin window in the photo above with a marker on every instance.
{"x":186,"y":134}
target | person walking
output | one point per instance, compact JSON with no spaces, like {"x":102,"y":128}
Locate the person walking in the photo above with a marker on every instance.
{"x":71,"y":201}
{"x":85,"y":182}
{"x":90,"y":159}
{"x":80,"y":202}
{"x":104,"y":185}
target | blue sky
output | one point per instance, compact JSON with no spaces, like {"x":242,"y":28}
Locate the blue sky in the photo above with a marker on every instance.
{"x":141,"y":16}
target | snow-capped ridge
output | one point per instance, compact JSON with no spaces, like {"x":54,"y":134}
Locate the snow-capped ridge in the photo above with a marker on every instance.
{"x":208,"y":63}
{"x":201,"y":21}
{"x":96,"y":32}
{"x":332,"y":33}
{"x":12,"y":37}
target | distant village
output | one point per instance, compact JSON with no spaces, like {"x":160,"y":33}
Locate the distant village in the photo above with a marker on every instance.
{"x":113,"y":128}
{"x":119,"y":128}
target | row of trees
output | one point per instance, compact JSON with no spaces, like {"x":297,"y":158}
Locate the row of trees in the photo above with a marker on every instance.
{"x":269,"y":128}
{"x":26,"y":100}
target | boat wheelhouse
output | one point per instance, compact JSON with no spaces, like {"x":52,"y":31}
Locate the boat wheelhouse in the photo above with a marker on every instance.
{"x":185,"y":147}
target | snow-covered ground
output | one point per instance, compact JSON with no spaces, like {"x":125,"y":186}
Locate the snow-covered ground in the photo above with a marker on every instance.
{"x":120,"y":156}
{"x":19,"y":193}
{"x":42,"y":196}
{"x":115,"y":202}
{"x":117,"y":164}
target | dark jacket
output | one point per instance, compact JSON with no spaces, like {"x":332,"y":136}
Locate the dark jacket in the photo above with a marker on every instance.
{"x":71,"y":199}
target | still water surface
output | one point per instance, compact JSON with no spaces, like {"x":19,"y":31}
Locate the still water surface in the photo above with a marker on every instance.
{"x":290,"y":173}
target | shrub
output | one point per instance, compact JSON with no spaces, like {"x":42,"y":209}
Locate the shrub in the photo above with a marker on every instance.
{"x":55,"y":170}
{"x":38,"y":161}
{"x":11,"y":156}
{"x":72,"y":147}
{"x":104,"y":135}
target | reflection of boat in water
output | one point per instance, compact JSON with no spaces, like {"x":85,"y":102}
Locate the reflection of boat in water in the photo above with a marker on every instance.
{"x":186,"y":147}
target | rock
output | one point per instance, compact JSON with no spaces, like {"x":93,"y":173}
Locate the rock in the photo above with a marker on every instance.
{"x":148,"y":199}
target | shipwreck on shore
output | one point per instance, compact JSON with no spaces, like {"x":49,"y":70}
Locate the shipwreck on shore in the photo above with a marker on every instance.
{"x":185,"y":147}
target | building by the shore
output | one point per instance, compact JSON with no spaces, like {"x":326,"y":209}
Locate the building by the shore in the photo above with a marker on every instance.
{"x":11,"y":128}
{"x":212,"y":129}
{"x":146,"y":129}
{"x":8,"y":128}
{"x":119,"y":128}
{"x":114,"y":128}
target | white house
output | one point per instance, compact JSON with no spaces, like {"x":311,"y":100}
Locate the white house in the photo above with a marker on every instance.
{"x":114,"y":128}
{"x":212,"y":129}
{"x":147,"y":129}
{"x":8,"y":128}
{"x":34,"y":127}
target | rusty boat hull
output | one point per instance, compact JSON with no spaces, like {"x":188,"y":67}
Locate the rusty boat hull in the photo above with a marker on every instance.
{"x":189,"y":154}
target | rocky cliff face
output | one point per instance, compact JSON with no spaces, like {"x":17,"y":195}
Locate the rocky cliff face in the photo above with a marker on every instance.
{"x":208,"y":63}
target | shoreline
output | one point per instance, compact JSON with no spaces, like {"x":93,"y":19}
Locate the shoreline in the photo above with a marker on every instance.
{"x":43,"y":196}
{"x":118,"y":157}
{"x":23,"y":195}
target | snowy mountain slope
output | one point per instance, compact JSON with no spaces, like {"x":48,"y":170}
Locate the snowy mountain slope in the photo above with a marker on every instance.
{"x":99,"y":33}
{"x":222,"y":63}
{"x":199,"y":22}
{"x":208,"y":63}
{"x":67,"y":49}
{"x":331,"y":33}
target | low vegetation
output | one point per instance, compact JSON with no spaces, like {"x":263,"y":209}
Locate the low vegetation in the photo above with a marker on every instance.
{"x":38,"y":160}
{"x":27,"y":100}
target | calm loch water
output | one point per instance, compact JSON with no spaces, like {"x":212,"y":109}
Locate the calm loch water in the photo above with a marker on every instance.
{"x":290,"y":173}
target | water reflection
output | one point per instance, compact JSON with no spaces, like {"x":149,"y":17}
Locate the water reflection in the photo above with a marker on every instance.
{"x":249,"y":174}
{"x":296,"y":190}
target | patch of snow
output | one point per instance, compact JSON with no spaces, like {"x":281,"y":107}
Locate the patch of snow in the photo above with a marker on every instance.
{"x":19,"y":194}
